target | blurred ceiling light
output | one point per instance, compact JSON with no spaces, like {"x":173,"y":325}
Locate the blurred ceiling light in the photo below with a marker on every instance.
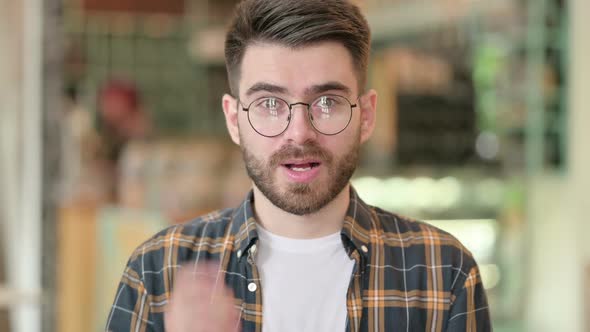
{"x":448,"y":192}
{"x":398,"y":195}
{"x":490,"y":275}
{"x":369,"y":188}
{"x":422,"y":192}
{"x":489,"y":192}
{"x":478,"y":235}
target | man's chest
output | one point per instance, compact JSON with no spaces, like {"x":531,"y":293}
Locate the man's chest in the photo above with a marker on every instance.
{"x":304,"y":291}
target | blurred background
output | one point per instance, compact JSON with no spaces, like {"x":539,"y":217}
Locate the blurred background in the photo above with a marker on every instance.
{"x":111,"y":128}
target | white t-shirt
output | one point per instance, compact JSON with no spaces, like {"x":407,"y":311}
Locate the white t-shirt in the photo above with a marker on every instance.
{"x":304,"y":283}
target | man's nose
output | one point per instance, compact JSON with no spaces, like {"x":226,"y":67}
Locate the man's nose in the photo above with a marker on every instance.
{"x":300,"y":128}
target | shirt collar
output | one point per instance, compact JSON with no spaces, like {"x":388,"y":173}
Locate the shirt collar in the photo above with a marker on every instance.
{"x":358,"y":224}
{"x":356,"y":229}
{"x":243,"y":226}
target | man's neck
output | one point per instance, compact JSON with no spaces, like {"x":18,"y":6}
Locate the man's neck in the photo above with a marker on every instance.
{"x":326,"y":221}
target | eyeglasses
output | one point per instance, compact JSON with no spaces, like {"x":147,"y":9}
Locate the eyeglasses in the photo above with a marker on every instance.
{"x":328,"y":114}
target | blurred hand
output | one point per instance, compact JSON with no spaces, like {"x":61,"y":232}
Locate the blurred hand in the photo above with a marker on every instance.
{"x":201,"y":302}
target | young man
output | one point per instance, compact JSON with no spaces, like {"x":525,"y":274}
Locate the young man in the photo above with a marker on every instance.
{"x":302,"y":252}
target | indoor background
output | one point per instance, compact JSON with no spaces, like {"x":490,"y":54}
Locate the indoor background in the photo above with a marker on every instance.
{"x":111,"y":129}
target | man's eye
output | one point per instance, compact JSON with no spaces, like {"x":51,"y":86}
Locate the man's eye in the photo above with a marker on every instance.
{"x":269,"y":107}
{"x":325,"y":102}
{"x":270,"y":103}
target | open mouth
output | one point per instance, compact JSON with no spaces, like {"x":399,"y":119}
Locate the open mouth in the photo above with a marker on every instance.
{"x":302,"y":167}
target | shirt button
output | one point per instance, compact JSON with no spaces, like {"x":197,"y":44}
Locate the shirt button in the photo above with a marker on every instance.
{"x":252,"y":287}
{"x":364,"y":249}
{"x":253,"y":249}
{"x":239,"y":253}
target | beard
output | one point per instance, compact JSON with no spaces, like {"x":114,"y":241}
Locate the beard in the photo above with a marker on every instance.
{"x":302,"y":198}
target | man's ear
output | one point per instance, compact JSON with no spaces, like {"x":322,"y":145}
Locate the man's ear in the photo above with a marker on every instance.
{"x":368,"y":107}
{"x":230,"y":110}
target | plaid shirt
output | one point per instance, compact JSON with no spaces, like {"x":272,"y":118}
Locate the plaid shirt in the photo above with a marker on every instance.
{"x":408,"y":276}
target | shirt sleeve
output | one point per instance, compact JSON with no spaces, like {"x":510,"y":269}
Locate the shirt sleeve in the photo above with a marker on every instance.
{"x":130,"y":310}
{"x":470,"y":311}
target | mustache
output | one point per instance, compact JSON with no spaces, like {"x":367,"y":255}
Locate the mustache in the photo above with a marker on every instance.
{"x":309,"y":150}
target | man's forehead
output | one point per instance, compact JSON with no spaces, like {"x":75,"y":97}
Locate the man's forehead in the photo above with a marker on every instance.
{"x":303,"y":70}
{"x":313,"y":89}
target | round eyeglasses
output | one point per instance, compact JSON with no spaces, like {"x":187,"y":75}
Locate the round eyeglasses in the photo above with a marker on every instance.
{"x":271,"y":116}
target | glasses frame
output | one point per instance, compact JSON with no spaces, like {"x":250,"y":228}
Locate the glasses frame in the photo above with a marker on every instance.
{"x":307,"y":106}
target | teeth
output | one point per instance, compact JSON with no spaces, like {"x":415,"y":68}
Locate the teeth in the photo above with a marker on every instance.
{"x":301,"y":169}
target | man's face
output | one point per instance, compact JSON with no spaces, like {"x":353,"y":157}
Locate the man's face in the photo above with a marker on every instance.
{"x":300,"y":170}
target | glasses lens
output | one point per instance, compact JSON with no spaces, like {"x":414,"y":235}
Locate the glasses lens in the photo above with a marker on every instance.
{"x":330,"y":114}
{"x":269,"y":116}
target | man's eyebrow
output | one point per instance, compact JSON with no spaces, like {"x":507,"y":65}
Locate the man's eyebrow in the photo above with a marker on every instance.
{"x":328,"y":86}
{"x":266,"y":87}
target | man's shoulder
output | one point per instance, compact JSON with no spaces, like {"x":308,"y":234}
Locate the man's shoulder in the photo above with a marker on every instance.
{"x":409,"y":232}
{"x":420,"y":245}
{"x":194,"y":235}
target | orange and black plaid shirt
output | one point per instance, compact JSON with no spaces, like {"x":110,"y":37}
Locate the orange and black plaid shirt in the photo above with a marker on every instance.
{"x":408,"y":275}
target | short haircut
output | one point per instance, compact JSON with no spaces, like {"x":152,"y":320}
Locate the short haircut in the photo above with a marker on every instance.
{"x":297,"y":23}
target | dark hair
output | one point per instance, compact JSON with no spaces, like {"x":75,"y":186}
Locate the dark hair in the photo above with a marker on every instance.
{"x":297,"y":23}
